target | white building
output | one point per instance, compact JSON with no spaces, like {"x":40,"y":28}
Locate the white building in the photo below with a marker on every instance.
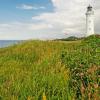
{"x":89,"y":21}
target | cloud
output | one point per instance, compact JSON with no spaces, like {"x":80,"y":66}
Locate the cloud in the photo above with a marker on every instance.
{"x":30,"y":7}
{"x":20,"y":31}
{"x":65,"y":17}
{"x":68,"y":16}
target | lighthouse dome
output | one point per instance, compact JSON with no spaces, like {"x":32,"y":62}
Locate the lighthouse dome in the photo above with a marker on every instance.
{"x":89,"y":8}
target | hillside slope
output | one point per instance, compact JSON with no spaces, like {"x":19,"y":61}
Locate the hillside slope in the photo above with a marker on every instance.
{"x":50,"y":69}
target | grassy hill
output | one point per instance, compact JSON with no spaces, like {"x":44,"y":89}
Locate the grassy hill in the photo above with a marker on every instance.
{"x":52,"y":70}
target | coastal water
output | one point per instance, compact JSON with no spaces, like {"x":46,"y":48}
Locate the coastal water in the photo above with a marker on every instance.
{"x":6,"y":43}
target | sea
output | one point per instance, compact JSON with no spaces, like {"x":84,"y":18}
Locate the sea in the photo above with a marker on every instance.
{"x":6,"y":43}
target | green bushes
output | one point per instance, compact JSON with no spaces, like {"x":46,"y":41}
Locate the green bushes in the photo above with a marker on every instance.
{"x":84,"y":65}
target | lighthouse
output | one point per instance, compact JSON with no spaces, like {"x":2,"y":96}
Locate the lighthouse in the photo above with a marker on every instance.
{"x":89,"y":21}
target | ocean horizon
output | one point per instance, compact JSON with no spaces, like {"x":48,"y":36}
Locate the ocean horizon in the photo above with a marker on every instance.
{"x":6,"y":43}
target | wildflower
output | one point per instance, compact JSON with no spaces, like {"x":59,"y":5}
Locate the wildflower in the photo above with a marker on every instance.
{"x":89,"y":96}
{"x":44,"y":96}
{"x":29,"y":98}
{"x":81,"y":75}
{"x":82,"y":89}
{"x":95,"y":86}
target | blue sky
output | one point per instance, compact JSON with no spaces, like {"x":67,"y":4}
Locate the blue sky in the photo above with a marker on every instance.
{"x":45,"y":19}
{"x":9,"y":11}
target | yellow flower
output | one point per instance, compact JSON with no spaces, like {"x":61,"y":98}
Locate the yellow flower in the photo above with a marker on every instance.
{"x":29,"y":98}
{"x":44,"y":96}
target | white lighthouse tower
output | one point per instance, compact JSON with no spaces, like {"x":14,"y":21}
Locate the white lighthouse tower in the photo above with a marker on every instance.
{"x":89,"y":21}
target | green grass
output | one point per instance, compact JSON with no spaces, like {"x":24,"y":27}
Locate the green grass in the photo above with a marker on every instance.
{"x":59,"y":69}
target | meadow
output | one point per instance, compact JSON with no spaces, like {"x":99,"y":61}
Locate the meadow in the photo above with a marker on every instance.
{"x":51,"y":70}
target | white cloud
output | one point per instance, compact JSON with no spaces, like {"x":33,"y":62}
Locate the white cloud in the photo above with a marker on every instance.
{"x":30,"y":7}
{"x":24,"y":6}
{"x":68,"y":18}
{"x":68,"y":15}
{"x":17,"y":30}
{"x":41,"y":7}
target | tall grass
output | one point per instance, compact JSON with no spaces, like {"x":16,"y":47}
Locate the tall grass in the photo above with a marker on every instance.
{"x":50,"y":70}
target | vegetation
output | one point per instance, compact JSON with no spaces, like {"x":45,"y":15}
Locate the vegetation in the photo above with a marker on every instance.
{"x":51,"y":70}
{"x":71,"y":38}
